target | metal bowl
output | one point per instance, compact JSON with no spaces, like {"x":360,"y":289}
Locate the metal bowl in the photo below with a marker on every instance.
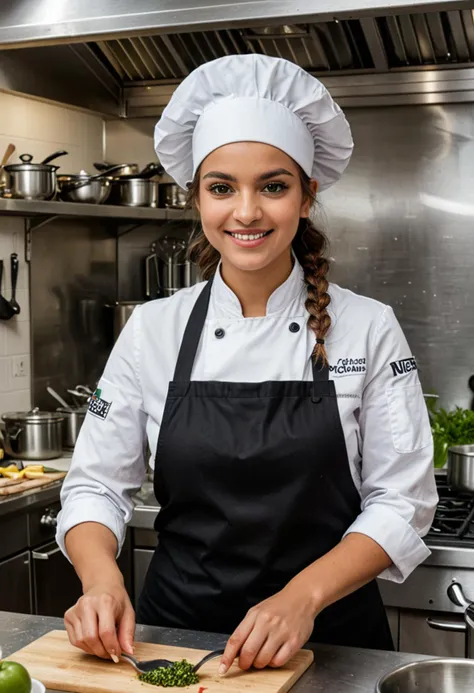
{"x":430,"y":676}
{"x":92,"y":192}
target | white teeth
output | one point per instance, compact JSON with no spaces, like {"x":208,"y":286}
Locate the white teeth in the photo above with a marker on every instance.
{"x":248,"y":236}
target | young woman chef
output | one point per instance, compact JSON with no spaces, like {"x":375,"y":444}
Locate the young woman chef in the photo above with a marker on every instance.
{"x":293,"y":456}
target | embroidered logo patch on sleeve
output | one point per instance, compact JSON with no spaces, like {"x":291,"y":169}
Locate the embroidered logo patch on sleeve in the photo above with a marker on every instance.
{"x":98,"y":406}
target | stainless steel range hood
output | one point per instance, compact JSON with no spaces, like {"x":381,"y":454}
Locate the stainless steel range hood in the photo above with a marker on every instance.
{"x":125,"y":58}
{"x":43,"y":22}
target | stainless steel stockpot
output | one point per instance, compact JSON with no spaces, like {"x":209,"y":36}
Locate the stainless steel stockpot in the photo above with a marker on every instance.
{"x":33,"y":435}
{"x":461,"y":468}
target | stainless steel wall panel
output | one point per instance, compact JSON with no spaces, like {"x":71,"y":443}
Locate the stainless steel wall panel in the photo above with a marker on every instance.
{"x":401,"y":226}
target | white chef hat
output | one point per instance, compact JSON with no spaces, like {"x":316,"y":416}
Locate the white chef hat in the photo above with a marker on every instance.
{"x":253,"y":98}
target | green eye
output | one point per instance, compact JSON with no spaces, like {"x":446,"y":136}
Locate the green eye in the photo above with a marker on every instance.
{"x":275,"y":187}
{"x":219,"y":189}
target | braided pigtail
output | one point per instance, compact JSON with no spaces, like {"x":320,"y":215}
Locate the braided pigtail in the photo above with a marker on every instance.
{"x":309,"y":246}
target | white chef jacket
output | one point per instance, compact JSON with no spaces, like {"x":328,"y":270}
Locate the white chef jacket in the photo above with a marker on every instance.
{"x":380,"y":401}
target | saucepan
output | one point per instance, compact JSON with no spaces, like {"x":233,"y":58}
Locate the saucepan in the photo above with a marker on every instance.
{"x":138,"y":190}
{"x":461,"y":468}
{"x":447,"y":675}
{"x":85,"y":188}
{"x":33,"y":181}
{"x":73,"y":420}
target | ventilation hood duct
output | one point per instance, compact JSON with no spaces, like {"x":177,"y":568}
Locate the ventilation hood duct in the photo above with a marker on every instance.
{"x":125,"y":59}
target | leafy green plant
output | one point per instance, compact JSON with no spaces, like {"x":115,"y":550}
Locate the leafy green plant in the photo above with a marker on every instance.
{"x":449,"y":428}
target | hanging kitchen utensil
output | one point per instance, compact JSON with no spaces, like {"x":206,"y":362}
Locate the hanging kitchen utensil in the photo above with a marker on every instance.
{"x":14,"y":277}
{"x":6,"y":310}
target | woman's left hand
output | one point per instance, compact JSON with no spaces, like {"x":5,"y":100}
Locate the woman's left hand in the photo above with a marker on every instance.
{"x":272,"y":631}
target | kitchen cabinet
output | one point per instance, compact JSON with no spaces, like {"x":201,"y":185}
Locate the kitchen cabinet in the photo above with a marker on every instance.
{"x":35,"y":577}
{"x":56,"y":586}
{"x":15,"y":584}
{"x":145,"y":542}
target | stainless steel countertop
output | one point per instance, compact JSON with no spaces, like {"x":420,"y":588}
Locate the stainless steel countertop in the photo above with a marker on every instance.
{"x":335,"y":669}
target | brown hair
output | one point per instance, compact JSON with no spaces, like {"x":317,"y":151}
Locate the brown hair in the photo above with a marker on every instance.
{"x":309,"y":246}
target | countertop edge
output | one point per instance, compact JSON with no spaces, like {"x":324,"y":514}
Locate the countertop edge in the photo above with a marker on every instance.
{"x":334,"y":670}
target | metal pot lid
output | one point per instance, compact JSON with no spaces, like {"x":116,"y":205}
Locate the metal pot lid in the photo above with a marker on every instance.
{"x":33,"y":416}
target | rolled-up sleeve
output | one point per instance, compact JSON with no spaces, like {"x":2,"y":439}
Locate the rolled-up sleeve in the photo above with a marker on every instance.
{"x":108,"y":463}
{"x":398,"y":489}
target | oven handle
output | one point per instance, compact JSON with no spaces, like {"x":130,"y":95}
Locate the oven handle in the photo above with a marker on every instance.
{"x":451,"y":626}
{"x":45,"y":556}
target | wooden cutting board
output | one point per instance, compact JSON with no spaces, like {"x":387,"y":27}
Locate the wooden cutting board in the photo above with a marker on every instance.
{"x":10,"y":486}
{"x":60,"y":666}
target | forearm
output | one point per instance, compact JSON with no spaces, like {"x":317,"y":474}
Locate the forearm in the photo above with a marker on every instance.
{"x":354,"y":562}
{"x":92,"y":548}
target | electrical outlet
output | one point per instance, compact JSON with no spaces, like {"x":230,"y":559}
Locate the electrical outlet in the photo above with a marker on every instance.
{"x":19,"y":366}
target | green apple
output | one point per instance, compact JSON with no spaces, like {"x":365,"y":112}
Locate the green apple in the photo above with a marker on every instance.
{"x":14,"y":678}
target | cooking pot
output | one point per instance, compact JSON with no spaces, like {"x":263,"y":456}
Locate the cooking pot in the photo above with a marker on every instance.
{"x":136,"y":192}
{"x":33,"y":435}
{"x":172,"y":196}
{"x":430,"y":676}
{"x":122,"y":312}
{"x":30,"y":181}
{"x":93,"y":191}
{"x":73,"y":420}
{"x":461,"y":468}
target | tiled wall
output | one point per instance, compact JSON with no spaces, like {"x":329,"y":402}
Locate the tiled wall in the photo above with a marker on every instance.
{"x":39,"y":129}
{"x":14,"y":333}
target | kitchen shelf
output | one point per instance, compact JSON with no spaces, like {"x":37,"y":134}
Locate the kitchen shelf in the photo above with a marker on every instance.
{"x":41,"y":208}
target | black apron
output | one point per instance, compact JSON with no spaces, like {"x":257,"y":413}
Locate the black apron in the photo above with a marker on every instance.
{"x":254,"y":484}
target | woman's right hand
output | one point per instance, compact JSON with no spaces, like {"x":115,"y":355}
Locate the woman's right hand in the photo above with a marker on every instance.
{"x":102,"y":622}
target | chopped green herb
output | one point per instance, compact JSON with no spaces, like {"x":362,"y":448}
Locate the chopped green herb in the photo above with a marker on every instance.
{"x":178,"y":674}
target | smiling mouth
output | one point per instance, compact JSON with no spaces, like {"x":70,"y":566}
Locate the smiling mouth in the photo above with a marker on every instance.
{"x":247,"y":236}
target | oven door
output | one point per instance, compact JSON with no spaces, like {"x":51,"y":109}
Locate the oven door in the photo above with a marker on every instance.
{"x":56,"y":586}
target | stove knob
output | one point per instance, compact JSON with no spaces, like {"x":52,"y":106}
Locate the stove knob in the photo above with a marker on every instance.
{"x":49,"y":519}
